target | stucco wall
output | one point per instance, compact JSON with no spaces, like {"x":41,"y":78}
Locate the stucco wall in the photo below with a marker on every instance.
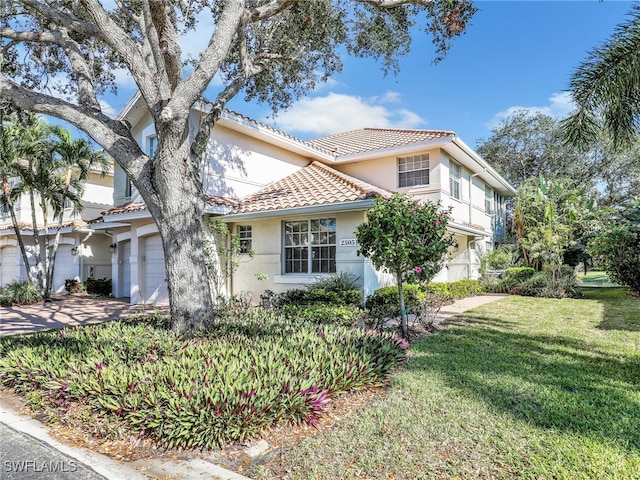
{"x":267,"y":243}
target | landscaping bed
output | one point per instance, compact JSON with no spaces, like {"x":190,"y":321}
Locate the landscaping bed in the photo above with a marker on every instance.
{"x":251,"y":372}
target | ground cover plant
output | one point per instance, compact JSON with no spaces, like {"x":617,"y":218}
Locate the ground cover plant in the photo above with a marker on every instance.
{"x":249,"y":372}
{"x":19,"y":292}
{"x":523,"y":387}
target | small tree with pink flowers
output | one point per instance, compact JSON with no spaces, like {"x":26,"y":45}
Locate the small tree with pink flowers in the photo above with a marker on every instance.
{"x":407,"y":237}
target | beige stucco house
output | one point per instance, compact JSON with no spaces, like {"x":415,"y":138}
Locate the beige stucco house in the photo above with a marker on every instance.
{"x":83,"y":252}
{"x":296,"y":203}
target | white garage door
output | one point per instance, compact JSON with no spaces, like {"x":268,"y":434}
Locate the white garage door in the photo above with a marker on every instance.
{"x":125,"y":291}
{"x":155,"y":285}
{"x":66,"y":267}
{"x":8,"y":265}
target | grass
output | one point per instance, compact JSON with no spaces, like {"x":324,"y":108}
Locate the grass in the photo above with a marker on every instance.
{"x":595,"y":278}
{"x":520,"y":388}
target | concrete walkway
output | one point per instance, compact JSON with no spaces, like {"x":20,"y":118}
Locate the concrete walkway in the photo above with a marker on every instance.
{"x":68,"y":310}
{"x":29,"y":452}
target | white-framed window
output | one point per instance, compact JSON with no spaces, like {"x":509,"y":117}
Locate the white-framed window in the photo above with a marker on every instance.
{"x":454,"y":179}
{"x":67,"y":201}
{"x":127,"y":186}
{"x":413,"y":170}
{"x":488,"y":199}
{"x":309,"y":246}
{"x":152,"y":145}
{"x":245,"y":237}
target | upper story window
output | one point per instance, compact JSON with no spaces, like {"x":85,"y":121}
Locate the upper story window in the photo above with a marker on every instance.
{"x":67,"y":201}
{"x":454,"y":179}
{"x":310,"y":246}
{"x":488,"y":199}
{"x":413,"y":170}
{"x":127,"y":186}
{"x":245,"y":237}
{"x":152,"y":145}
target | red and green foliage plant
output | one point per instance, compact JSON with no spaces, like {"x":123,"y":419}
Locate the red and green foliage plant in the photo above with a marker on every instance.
{"x":252,"y":371}
{"x":407,"y":237}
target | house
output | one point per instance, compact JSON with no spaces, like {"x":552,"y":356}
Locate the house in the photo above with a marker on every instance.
{"x":83,"y":252}
{"x":295,"y":204}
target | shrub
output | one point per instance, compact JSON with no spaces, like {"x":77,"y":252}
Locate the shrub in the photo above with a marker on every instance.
{"x":72,"y":285}
{"x":20,"y":292}
{"x":497,"y":285}
{"x":458,"y":289}
{"x":250,"y":372}
{"x":99,"y":286}
{"x":499,"y":259}
{"x":386,"y":298}
{"x":340,"y":289}
{"x":346,"y":315}
{"x":617,"y":250}
{"x":554,"y":282}
{"x":519,"y":274}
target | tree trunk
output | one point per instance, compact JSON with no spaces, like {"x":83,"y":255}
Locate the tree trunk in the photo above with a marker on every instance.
{"x":176,"y":200}
{"x":16,"y":227}
{"x":403,"y":310}
{"x":40,"y":273}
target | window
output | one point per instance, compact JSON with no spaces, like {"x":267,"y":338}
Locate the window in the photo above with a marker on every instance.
{"x":244,"y":235}
{"x":488,"y":199}
{"x":413,"y":170}
{"x":310,"y":246}
{"x":454,"y":179}
{"x":127,"y":186}
{"x":152,"y":146}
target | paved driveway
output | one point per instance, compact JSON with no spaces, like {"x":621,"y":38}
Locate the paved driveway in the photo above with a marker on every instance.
{"x":66,"y":311}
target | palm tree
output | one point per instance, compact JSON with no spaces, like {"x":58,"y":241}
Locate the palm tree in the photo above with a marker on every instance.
{"x":606,"y":89}
{"x":75,"y":159}
{"x":9,"y":140}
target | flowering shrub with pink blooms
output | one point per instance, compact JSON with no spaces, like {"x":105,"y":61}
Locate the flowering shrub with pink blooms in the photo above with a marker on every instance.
{"x":408,"y":237}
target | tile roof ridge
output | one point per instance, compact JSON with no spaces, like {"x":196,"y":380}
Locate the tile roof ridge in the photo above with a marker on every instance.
{"x":409,"y":130}
{"x":365,"y":188}
{"x":337,"y":134}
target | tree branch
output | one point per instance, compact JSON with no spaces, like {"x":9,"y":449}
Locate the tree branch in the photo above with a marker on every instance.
{"x":190,"y":89}
{"x":112,"y":135}
{"x":167,"y":40}
{"x":61,"y":17}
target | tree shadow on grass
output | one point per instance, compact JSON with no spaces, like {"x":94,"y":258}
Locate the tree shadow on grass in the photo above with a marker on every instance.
{"x":621,"y":310}
{"x":555,"y":383}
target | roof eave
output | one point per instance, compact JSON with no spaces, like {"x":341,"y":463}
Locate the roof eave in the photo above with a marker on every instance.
{"x":498,"y":180}
{"x":392,"y":151}
{"x":313,"y":209}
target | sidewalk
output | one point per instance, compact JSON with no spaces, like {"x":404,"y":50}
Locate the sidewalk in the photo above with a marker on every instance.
{"x":29,"y":452}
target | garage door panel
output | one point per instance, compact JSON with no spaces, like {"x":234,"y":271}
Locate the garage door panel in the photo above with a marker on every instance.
{"x":155,"y":284}
{"x":66,"y":267}
{"x":8,"y":265}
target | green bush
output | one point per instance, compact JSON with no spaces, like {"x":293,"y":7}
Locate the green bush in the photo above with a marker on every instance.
{"x":72,"y":285}
{"x":340,"y":289}
{"x":20,"y":292}
{"x":99,"y":286}
{"x":346,"y":315}
{"x":497,"y":285}
{"x":387,"y":298}
{"x":250,"y":372}
{"x":499,"y":259}
{"x":554,"y":282}
{"x":519,"y":274}
{"x":457,"y":289}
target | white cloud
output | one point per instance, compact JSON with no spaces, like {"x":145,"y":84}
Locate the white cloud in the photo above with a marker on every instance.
{"x":123,"y":79}
{"x":336,"y":112}
{"x":560,"y":105}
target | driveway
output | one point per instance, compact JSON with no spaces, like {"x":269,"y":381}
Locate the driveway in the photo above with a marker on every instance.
{"x":66,"y":311}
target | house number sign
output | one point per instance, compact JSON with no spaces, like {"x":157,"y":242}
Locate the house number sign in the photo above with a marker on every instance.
{"x":349,"y":242}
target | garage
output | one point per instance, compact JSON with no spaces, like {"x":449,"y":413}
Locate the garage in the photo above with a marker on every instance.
{"x":155,"y":284}
{"x":125,"y":290}
{"x":66,"y":267}
{"x":8,"y":265}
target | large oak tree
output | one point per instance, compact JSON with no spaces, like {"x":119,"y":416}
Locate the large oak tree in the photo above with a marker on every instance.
{"x":272,"y":50}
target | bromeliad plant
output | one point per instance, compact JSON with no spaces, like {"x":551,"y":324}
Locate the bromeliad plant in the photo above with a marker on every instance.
{"x":247,"y":374}
{"x":407,"y":237}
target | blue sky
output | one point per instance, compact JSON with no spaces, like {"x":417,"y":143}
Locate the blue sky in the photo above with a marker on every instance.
{"x":515,"y":55}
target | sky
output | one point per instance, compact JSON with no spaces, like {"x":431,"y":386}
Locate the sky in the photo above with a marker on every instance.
{"x":515,"y":55}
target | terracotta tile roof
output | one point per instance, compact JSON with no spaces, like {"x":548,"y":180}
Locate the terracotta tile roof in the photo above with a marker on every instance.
{"x":314,"y":185}
{"x":139,"y":206}
{"x":78,"y":222}
{"x":373,"y":139}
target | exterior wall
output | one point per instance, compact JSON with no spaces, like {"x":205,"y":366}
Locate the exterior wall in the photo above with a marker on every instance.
{"x":267,"y":243}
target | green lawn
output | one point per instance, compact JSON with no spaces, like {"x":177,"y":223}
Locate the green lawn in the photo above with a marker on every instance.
{"x":595,"y":278}
{"x":520,"y":388}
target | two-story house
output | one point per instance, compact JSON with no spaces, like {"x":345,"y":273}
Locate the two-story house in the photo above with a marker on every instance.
{"x":296,"y":203}
{"x":82,"y":253}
